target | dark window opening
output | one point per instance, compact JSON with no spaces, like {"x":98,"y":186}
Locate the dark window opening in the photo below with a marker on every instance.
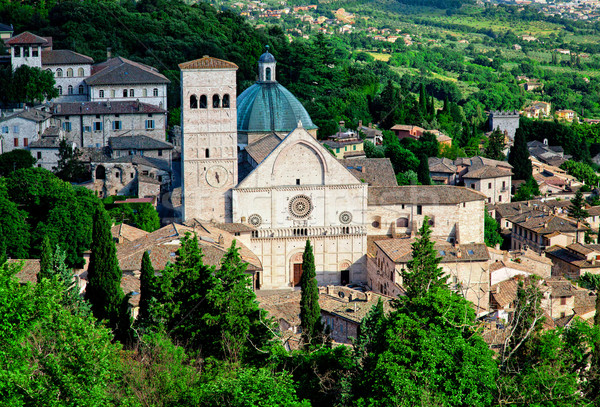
{"x":297,"y":181}
{"x":193,"y":102}
{"x":203,"y":102}
{"x":216,"y":101}
{"x":226,"y":101}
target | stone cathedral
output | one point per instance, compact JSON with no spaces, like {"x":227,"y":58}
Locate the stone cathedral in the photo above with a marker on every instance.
{"x":254,"y":159}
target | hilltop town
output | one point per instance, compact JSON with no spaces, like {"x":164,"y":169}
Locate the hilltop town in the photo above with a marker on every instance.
{"x":300,"y":218}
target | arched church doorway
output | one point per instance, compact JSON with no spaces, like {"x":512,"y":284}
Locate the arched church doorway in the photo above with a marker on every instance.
{"x":100,"y":172}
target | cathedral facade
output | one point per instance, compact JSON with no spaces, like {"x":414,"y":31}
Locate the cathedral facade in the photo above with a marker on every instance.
{"x":295,"y":190}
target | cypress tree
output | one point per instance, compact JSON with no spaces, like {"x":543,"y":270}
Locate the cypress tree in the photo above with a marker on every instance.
{"x":576,"y":209}
{"x":423,"y":272}
{"x":422,"y":100}
{"x":445,"y":108}
{"x":423,"y":171}
{"x":45,"y":260}
{"x":495,"y":146}
{"x":310,"y":311}
{"x":103,"y":289}
{"x":146,"y":288}
{"x":519,"y":157}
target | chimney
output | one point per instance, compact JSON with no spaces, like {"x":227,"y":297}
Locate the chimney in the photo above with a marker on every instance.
{"x":497,"y":246}
{"x":370,"y":125}
{"x":368,"y":295}
{"x":459,"y":253}
{"x":108,"y":53}
{"x":360,"y":123}
{"x":363,"y":169}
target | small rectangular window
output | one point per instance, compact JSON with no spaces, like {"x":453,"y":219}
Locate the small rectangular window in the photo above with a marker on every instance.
{"x":131,"y":93}
{"x":5,"y":129}
{"x":25,"y":142}
{"x":117,"y":125}
{"x":297,"y":181}
{"x":17,"y":51}
{"x":26,"y":52}
{"x":160,"y":153}
{"x":87,"y":129}
{"x":489,"y":185}
{"x":113,"y":93}
{"x":124,"y":93}
{"x":34,"y":52}
{"x":145,"y":92}
{"x":67,"y":126}
{"x":563,"y":300}
{"x":149,"y":124}
{"x":419,"y":210}
{"x":16,"y":142}
{"x":39,"y":155}
{"x":97,"y":126}
{"x":16,"y":129}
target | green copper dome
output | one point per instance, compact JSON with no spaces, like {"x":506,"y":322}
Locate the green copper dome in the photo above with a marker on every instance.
{"x":269,"y":107}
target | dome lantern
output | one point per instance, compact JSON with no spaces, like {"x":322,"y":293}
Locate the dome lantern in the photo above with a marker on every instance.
{"x":266,"y":67}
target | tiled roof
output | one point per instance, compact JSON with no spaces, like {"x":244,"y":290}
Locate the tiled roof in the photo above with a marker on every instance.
{"x":145,"y":179}
{"x":35,"y":115}
{"x":342,"y":144}
{"x":207,"y":62}
{"x":406,"y":127}
{"x":121,"y":71}
{"x":111,"y":107}
{"x":504,"y":293}
{"x":127,"y":232}
{"x":570,"y":256}
{"x":561,"y":287}
{"x":52,"y":131}
{"x":260,"y":149}
{"x":30,"y":270}
{"x":139,"y":160}
{"x":487,"y":172}
{"x":64,"y":57}
{"x":400,"y":251}
{"x":544,"y":224}
{"x":45,"y":142}
{"x":370,"y":132}
{"x":421,"y":194}
{"x":138,"y":143}
{"x":26,"y":38}
{"x":443,"y":165}
{"x":6,"y":27}
{"x":374,"y":171}
{"x":163,"y":244}
{"x":515,"y":208}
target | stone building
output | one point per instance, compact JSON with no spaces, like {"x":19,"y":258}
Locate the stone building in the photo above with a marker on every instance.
{"x":20,"y":129}
{"x":92,"y":124}
{"x":119,"y":79}
{"x":574,"y":260}
{"x":70,"y":71}
{"x":466,"y":266}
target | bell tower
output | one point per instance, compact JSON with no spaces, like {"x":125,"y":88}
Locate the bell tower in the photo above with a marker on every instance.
{"x":209,"y":138}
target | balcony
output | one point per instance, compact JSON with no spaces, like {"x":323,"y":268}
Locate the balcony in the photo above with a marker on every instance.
{"x":309,"y":232}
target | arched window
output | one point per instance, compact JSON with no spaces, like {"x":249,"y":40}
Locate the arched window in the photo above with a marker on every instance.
{"x":207,"y":153}
{"x":268,"y":74}
{"x":101,"y":93}
{"x":69,"y":72}
{"x":193,"y":102}
{"x":203,"y":102}
{"x":226,"y":101}
{"x":124,"y":93}
{"x":100,"y":172}
{"x":155,"y":92}
{"x":59,"y":90}
{"x":70,"y":89}
{"x":131,"y":93}
{"x":59,"y":73}
{"x":81,"y":89}
{"x":80,"y":72}
{"x":216,"y":101}
{"x":145,"y":92}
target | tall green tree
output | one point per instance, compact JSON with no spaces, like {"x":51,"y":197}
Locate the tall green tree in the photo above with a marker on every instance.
{"x":32,"y":84}
{"x":519,"y":157}
{"x":495,"y":146}
{"x":310,"y":311}
{"x":146,"y":289}
{"x":15,"y":160}
{"x":491,"y":234}
{"x":423,"y":272}
{"x":70,"y":167}
{"x":243,"y":333}
{"x":577,"y":207}
{"x":423,"y":171}
{"x":103,"y":290}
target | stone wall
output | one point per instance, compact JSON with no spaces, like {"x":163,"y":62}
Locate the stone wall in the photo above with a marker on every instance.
{"x":144,"y":93}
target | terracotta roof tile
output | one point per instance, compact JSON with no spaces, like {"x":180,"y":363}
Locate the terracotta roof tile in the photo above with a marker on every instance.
{"x":26,"y":38}
{"x":421,"y":194}
{"x":64,"y":57}
{"x":121,"y":71}
{"x":374,"y":171}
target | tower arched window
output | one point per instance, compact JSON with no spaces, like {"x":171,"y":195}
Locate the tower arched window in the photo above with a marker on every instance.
{"x":70,"y":89}
{"x":193,"y":102}
{"x":268,"y":74}
{"x":124,"y":93}
{"x":59,"y":73}
{"x":101,"y":93}
{"x":155,"y":92}
{"x":226,"y":101}
{"x":69,"y":72}
{"x":80,"y":72}
{"x":216,"y":101}
{"x":203,"y":102}
{"x":59,"y":90}
{"x":207,"y":153}
{"x":81,"y":89}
